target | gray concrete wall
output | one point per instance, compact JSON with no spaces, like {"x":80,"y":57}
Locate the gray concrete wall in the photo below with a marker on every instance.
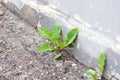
{"x":92,"y":39}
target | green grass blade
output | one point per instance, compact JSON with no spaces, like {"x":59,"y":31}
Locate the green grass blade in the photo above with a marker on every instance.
{"x":71,"y":36}
{"x":57,"y":56}
{"x":93,"y":75}
{"x":45,"y":32}
{"x":88,"y":72}
{"x":45,"y":48}
{"x":101,"y":63}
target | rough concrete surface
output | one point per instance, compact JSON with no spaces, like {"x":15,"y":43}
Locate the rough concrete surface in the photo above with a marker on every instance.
{"x":20,"y":60}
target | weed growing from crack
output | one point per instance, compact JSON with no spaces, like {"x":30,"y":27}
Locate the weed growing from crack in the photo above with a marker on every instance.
{"x":101,"y":64}
{"x":55,"y":37}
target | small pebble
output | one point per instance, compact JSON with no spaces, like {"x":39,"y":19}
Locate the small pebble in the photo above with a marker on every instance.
{"x":1,"y":68}
{"x":59,"y":64}
{"x":74,"y":65}
{"x":53,"y":74}
{"x":1,"y":41}
{"x":11,"y":78}
{"x":1,"y":12}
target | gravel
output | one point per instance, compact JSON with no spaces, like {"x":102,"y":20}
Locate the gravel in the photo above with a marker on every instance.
{"x":20,"y":60}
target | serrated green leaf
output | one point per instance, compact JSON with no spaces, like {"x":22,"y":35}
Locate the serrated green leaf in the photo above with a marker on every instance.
{"x":101,"y":63}
{"x":71,"y":36}
{"x":45,"y":32}
{"x":57,"y":56}
{"x":45,"y":47}
{"x":56,"y":35}
{"x":56,"y":31}
{"x":93,"y":75}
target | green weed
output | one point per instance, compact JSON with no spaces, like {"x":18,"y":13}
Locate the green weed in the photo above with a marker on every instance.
{"x":55,"y":37}
{"x":101,"y":64}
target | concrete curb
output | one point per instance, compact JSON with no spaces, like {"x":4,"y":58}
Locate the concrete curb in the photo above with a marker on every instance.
{"x":90,"y":42}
